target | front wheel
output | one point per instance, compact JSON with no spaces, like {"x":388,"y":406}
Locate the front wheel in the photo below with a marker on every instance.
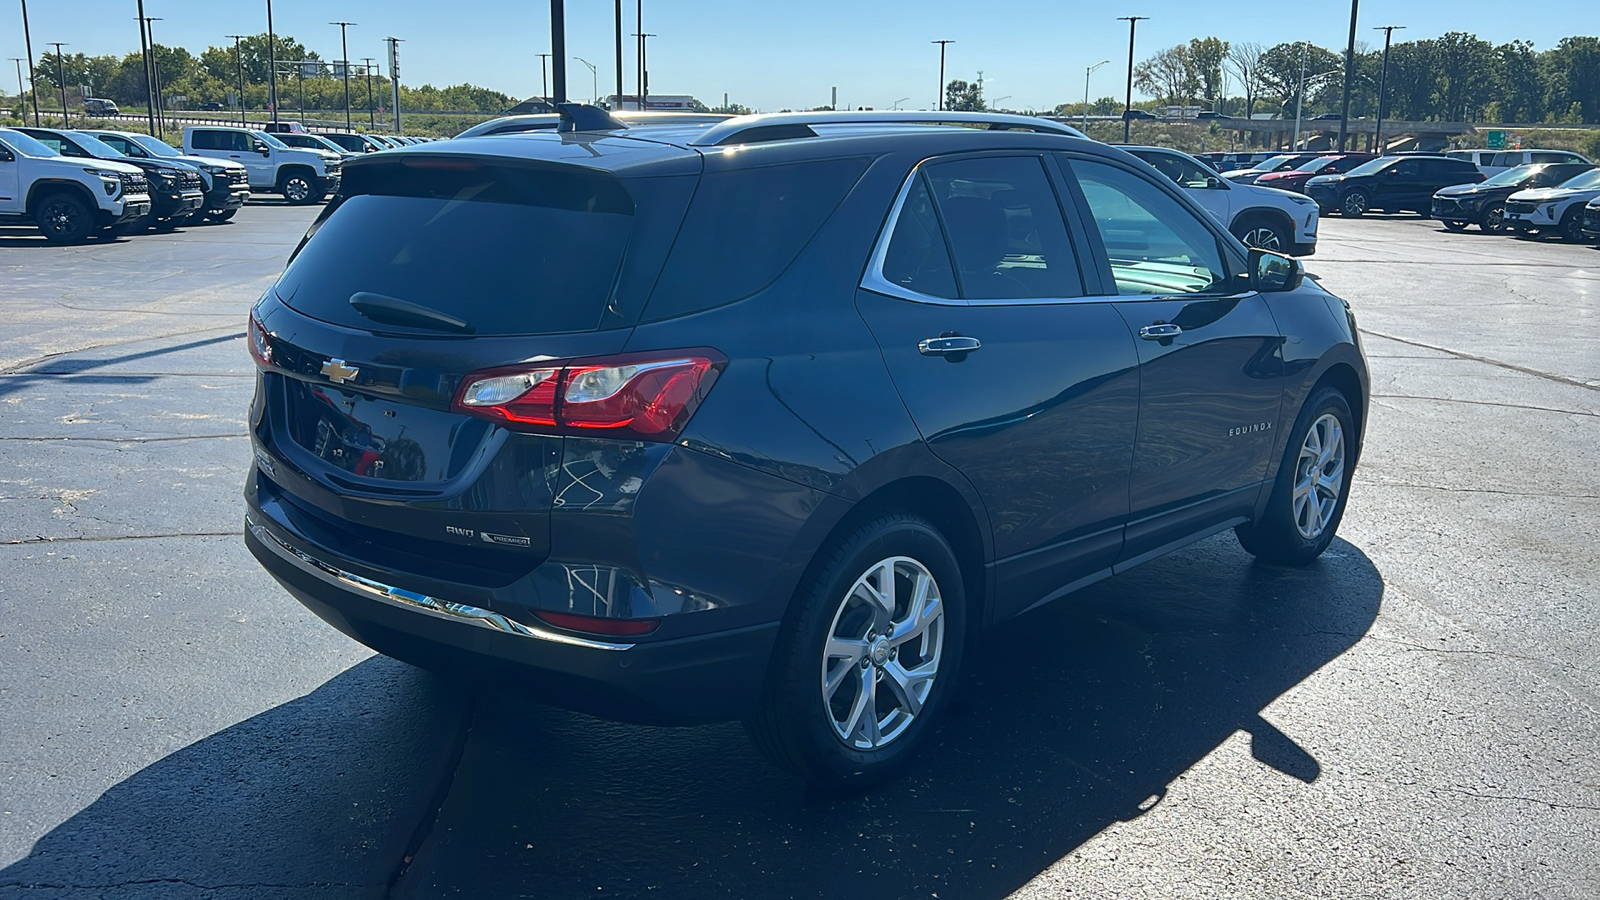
{"x":1572,"y":226}
{"x":1308,"y":496}
{"x":868,"y":656}
{"x":64,"y":219}
{"x":1494,"y":219}
{"x":1263,"y":234}
{"x":1354,"y":204}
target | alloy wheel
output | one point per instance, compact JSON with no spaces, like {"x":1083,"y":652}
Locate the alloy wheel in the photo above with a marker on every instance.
{"x":296,"y":189}
{"x":882,"y":653}
{"x":1494,"y":218}
{"x":1319,"y":477}
{"x":60,"y":216}
{"x":1355,"y":204}
{"x":1264,"y":238}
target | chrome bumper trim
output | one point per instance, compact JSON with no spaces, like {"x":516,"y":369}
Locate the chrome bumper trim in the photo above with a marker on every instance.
{"x":410,"y":600}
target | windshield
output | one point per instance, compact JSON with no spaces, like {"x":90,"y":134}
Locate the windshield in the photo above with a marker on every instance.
{"x":156,"y":146}
{"x":95,"y":147}
{"x":1588,"y":181}
{"x":1373,"y":166}
{"x":1271,"y":164}
{"x":1513,"y":176}
{"x":1317,"y":163}
{"x":270,"y":140}
{"x":24,"y":144}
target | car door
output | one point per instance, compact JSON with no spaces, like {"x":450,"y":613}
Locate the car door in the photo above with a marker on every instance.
{"x":1401,"y":186}
{"x":1210,"y":376}
{"x":260,"y":164}
{"x":10,"y":179}
{"x":1012,"y":375}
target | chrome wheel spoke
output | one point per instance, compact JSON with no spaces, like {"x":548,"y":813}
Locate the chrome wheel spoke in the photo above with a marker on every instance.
{"x":1319,"y":477}
{"x":910,"y":686}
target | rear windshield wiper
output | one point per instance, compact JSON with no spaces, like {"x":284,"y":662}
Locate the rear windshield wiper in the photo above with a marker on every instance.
{"x":394,"y":311}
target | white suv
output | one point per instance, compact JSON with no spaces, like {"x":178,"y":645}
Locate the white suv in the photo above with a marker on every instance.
{"x":1263,"y":217}
{"x":1556,"y":209}
{"x":69,"y":199}
{"x":301,"y":176}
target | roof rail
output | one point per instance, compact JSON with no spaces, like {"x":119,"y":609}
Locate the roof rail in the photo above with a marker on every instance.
{"x":787,"y":126}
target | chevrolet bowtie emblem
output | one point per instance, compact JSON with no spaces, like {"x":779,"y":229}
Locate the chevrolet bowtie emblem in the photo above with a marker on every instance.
{"x":338,"y":372}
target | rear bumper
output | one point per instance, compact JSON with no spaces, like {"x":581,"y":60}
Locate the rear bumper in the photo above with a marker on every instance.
{"x":705,"y":678}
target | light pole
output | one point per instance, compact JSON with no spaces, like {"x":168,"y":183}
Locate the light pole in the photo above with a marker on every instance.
{"x":594,"y":78}
{"x":344,"y":62}
{"x":939,"y":97}
{"x":619,"y":51}
{"x":1383,"y":84}
{"x":1300,"y":99}
{"x":61,"y":79}
{"x":1127,"y":108}
{"x":372,"y":115}
{"x":22,"y":111}
{"x":272,"y":66}
{"x":1349,"y":76}
{"x":644,"y":70}
{"x":1086,"y":92}
{"x":33,"y":81}
{"x":544,"y":77}
{"x":558,"y":46}
{"x":144,"y":51}
{"x":896,"y":104}
{"x":155,"y":79}
{"x":638,"y":49}
{"x":394,"y":76}
{"x":238,"y":62}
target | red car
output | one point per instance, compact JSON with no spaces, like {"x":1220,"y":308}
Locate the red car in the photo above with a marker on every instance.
{"x":1295,"y":179}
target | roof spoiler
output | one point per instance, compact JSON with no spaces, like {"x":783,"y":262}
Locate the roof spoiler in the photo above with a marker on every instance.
{"x":583,"y":117}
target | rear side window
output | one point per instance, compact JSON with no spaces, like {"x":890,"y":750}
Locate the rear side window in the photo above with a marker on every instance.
{"x":744,"y":228}
{"x":201,"y":139}
{"x":507,"y":250}
{"x":1004,"y":228}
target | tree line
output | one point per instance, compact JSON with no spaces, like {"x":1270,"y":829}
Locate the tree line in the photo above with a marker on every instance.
{"x":1457,"y":77}
{"x":214,"y":74}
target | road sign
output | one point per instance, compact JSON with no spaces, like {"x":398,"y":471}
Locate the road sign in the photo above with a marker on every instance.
{"x":1497,"y":140}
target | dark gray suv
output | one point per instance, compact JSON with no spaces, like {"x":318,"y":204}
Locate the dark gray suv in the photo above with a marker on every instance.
{"x":768,"y":420}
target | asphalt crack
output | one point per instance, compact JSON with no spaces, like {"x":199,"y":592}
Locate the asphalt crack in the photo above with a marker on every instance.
{"x":132,"y":440}
{"x":1463,"y":490}
{"x":430,"y":814}
{"x":1548,"y":376}
{"x":41,"y":539}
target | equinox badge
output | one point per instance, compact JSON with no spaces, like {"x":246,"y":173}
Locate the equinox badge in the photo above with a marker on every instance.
{"x":338,"y":372}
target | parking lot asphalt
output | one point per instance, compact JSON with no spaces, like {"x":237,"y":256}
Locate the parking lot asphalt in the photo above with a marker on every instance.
{"x":1415,"y":715}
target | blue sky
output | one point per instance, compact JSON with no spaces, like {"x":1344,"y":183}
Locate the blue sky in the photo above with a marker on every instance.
{"x":771,"y":56}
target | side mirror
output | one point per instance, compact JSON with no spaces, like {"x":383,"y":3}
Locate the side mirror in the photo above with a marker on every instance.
{"x":1273,"y":273}
{"x":262,"y":148}
{"x":1213,"y":182}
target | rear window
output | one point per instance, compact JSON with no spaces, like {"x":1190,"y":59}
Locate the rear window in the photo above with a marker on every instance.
{"x":508,"y":250}
{"x":744,"y":228}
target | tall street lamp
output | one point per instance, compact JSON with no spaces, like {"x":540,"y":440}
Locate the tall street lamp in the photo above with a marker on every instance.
{"x":544,"y":76}
{"x":618,"y":51}
{"x":1383,"y":84}
{"x":1349,"y":76}
{"x":33,"y":81}
{"x":344,"y":63}
{"x":644,"y":70}
{"x":238,"y":63}
{"x":1127,"y":108}
{"x":155,"y":78}
{"x":594,"y":78}
{"x":372,"y":115}
{"x":939,"y":97}
{"x":61,"y":79}
{"x":558,"y":46}
{"x":272,"y":66}
{"x":394,"y":76}
{"x":20,"y":94}
{"x":1086,"y":92}
{"x":144,"y":51}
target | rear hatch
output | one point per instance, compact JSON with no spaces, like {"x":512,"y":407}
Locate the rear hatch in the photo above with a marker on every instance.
{"x":431,"y":265}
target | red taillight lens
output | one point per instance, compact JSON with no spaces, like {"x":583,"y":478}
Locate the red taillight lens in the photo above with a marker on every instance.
{"x":642,"y":396}
{"x":598,"y":625}
{"x":260,"y":347}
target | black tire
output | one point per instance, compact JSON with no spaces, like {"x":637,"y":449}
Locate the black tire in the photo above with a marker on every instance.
{"x":1262,"y":232}
{"x":1354,"y":204}
{"x":300,"y":187}
{"x":64,"y":219}
{"x":1494,"y":219}
{"x":1280,"y":536}
{"x":1454,"y":226}
{"x":796,"y":724}
{"x":1572,"y":225}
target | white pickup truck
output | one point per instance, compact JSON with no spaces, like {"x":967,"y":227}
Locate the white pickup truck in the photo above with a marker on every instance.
{"x":68,"y":199}
{"x":301,"y":176}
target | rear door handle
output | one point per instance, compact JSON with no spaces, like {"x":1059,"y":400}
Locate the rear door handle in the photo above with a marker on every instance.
{"x":1160,"y":331}
{"x":940,"y":346}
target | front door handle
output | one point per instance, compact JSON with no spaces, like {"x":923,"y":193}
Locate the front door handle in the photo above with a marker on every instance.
{"x":1161,"y":331}
{"x":948,"y":344}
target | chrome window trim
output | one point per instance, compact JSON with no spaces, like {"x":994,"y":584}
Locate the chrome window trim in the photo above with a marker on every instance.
{"x":874,"y":281}
{"x":411,"y":601}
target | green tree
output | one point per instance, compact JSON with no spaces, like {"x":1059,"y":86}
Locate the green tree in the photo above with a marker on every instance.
{"x":1280,"y":68}
{"x":1244,"y":61}
{"x":1573,"y":70}
{"x":1206,"y":56}
{"x":1169,"y":76}
{"x":964,"y":96}
{"x":1466,"y":70}
{"x":1521,"y":89}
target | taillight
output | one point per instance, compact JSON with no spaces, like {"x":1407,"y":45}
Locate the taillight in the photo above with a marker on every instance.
{"x":260,"y":347}
{"x":646,"y":396}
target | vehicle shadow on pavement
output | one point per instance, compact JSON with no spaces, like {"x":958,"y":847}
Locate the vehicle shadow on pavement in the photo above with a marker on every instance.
{"x":1069,"y":720}
{"x":317,"y":797}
